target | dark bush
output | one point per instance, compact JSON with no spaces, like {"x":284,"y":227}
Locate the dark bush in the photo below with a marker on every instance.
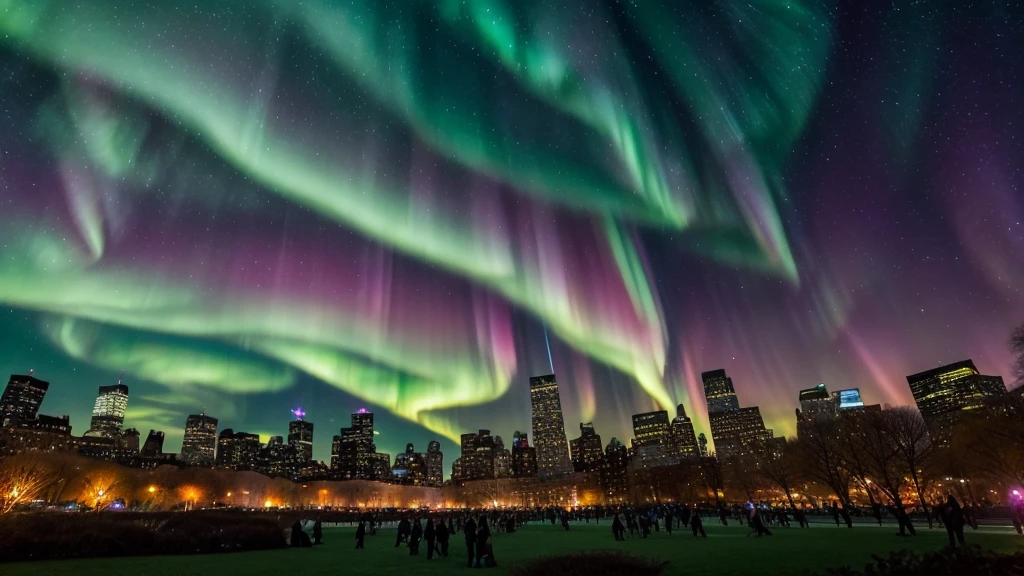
{"x":946,"y":562}
{"x":80,"y":535}
{"x":590,"y":564}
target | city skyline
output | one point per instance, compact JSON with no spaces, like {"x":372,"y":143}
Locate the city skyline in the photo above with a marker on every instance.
{"x":610,"y":207}
{"x":654,"y":435}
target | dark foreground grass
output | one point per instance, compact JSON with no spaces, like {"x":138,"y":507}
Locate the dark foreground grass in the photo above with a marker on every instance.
{"x":728,"y":550}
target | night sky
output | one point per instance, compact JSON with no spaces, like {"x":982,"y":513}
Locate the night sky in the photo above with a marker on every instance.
{"x":412,"y":206}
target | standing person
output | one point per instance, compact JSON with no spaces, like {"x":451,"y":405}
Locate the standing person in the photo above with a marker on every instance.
{"x":697,"y":525}
{"x":360,"y":534}
{"x":723,"y":515}
{"x":430,"y":536}
{"x":403,"y":531}
{"x":565,"y":521}
{"x":876,"y":508}
{"x":442,"y":539}
{"x":318,"y":532}
{"x":414,"y":538}
{"x":954,"y":521}
{"x":469,"y":529}
{"x":618,"y":529}
{"x":835,"y":512}
{"x":484,"y":546}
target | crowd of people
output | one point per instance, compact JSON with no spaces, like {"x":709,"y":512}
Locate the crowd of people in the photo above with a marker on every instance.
{"x":435,"y":530}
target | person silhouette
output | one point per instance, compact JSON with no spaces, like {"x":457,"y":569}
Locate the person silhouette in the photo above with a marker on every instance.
{"x":430,"y":536}
{"x":442,"y":539}
{"x":360,"y":534}
{"x":414,"y":538}
{"x":318,"y":532}
{"x":470,"y":531}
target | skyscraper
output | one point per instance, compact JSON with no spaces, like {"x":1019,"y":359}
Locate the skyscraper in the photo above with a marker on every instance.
{"x":21,"y":399}
{"x":354,"y":454}
{"x":614,"y":475}
{"x":154,"y":446}
{"x":435,"y":464}
{"x":237,"y":450}
{"x":108,"y":412}
{"x":943,"y":394}
{"x":410,"y":467}
{"x":815,"y":403}
{"x":738,"y":432}
{"x":477,"y":456}
{"x":652,"y":444}
{"x":524,"y":456}
{"x":719,"y":392}
{"x":300,"y":435}
{"x":549,"y":428}
{"x":587,"y":451}
{"x":200,"y":442}
{"x":683,"y":438}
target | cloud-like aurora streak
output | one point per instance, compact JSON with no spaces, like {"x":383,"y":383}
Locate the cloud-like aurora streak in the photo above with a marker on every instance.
{"x":460,"y":162}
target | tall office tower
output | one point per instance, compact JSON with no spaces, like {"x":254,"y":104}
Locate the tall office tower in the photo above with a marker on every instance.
{"x":238,"y":450}
{"x":652,"y":441}
{"x":300,"y":435}
{"x":549,"y":428}
{"x":718,"y":392}
{"x":477,"y":460}
{"x":435,"y":464}
{"x":524,"y":457}
{"x":108,"y":412}
{"x":154,"y":446}
{"x":614,"y":475}
{"x":944,"y":394}
{"x":815,"y":404}
{"x":683,"y":438}
{"x":22,"y":397}
{"x":200,"y":442}
{"x":356,"y":452}
{"x":586,"y":451}
{"x":502,"y":459}
{"x":738,"y":432}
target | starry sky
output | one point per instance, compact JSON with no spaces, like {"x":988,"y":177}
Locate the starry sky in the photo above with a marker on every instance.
{"x":414,"y":205}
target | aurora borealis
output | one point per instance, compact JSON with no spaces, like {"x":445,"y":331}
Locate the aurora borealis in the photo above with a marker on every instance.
{"x":398,"y":204}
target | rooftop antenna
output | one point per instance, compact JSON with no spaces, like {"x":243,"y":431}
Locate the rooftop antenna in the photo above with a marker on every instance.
{"x":547,"y":344}
{"x":121,"y":377}
{"x":31,"y":371}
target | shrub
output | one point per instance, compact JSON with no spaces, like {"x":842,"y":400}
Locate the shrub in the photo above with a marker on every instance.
{"x":44,"y":536}
{"x":589,"y":564}
{"x":946,"y":562}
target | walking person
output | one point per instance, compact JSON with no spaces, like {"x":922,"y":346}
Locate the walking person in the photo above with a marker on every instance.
{"x":954,"y":522}
{"x":697,"y":525}
{"x":484,"y":546}
{"x":835,"y":512}
{"x":469,"y":529}
{"x":430,"y":536}
{"x":414,"y":538}
{"x":442,"y":539}
{"x":360,"y":534}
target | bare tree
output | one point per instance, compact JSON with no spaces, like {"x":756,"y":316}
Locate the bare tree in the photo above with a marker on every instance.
{"x":908,"y":431}
{"x":778,"y":463}
{"x":880,"y":455}
{"x":991,"y":442}
{"x":820,"y":453}
{"x":21,"y":483}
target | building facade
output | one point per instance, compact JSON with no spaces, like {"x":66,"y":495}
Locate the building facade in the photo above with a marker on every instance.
{"x":410,"y":467}
{"x":300,"y":435}
{"x":21,"y":398}
{"x":738,"y":432}
{"x":435,"y":464}
{"x":238,"y":450}
{"x":944,"y":394}
{"x":549,"y":427}
{"x":719,"y":392}
{"x":586,"y":450}
{"x":614,"y":472}
{"x":199,"y":446}
{"x":108,"y":411}
{"x":524,"y":457}
{"x":684,"y":438}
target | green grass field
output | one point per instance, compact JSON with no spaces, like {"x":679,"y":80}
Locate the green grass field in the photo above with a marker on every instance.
{"x":726,"y":551}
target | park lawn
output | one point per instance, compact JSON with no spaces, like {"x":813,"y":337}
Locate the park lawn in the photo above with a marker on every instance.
{"x":728,"y":550}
